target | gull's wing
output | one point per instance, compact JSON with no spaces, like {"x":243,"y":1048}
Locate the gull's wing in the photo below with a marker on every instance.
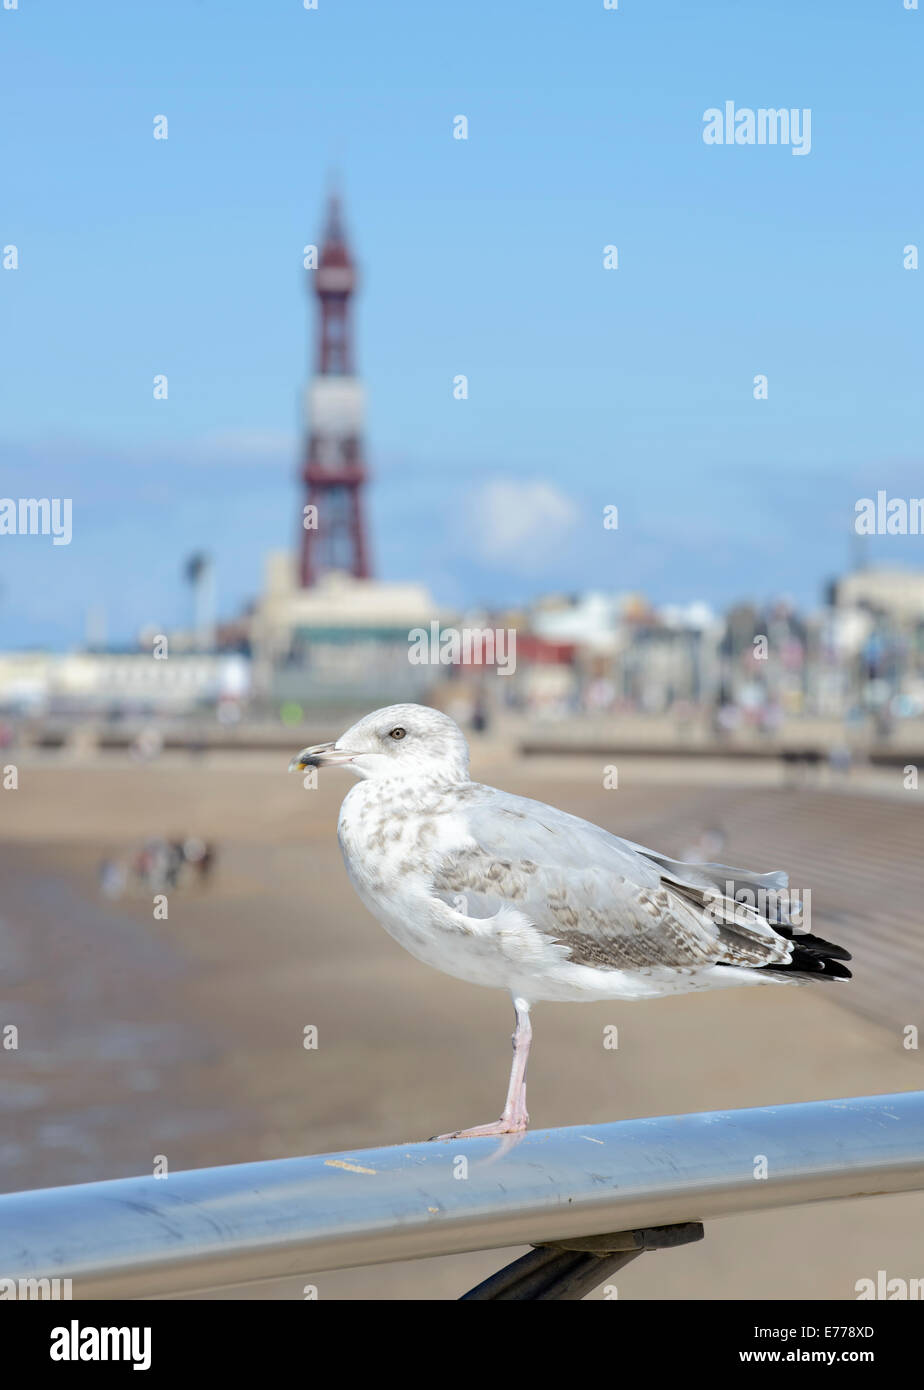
{"x":772,"y":887}
{"x":611,"y":903}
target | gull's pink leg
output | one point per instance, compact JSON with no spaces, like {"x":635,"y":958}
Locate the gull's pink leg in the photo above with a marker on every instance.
{"x":514,"y":1119}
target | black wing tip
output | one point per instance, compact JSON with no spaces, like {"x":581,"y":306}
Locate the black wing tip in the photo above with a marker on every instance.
{"x":807,"y":945}
{"x":815,"y":962}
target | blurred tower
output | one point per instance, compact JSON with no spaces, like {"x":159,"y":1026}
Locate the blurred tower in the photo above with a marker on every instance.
{"x":200,"y":576}
{"x":334,"y":472}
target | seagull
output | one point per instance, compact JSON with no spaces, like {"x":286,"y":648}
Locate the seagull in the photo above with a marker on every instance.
{"x":504,"y":891}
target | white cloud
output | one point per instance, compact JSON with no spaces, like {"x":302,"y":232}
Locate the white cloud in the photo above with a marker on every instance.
{"x":244,"y":446}
{"x":514,"y":522}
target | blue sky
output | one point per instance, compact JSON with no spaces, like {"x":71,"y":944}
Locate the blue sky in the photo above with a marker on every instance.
{"x":482,"y":257}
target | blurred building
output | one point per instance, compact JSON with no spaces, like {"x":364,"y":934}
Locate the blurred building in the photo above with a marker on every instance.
{"x":878,"y":618}
{"x":123,"y":683}
{"x":342,"y":640}
{"x":895,"y":594}
{"x":622,"y":653}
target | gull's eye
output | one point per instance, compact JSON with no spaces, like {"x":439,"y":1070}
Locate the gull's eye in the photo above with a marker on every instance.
{"x":397,"y":733}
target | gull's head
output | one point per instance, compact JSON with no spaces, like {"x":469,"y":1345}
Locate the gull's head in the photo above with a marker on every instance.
{"x":408,"y":741}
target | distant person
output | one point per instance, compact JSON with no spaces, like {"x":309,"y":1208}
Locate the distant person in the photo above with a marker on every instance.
{"x":771,"y":718}
{"x":480,"y":718}
{"x":840,"y":759}
{"x":112,"y":878}
{"x":207,"y":864}
{"x":151,"y":865}
{"x":200,"y":856}
{"x":727,"y":720}
{"x":174,"y":860}
{"x":601,"y":693}
{"x":148,"y":745}
{"x":882,"y":721}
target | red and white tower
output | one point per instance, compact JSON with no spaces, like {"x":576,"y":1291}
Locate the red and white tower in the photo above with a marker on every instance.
{"x":334,"y":471}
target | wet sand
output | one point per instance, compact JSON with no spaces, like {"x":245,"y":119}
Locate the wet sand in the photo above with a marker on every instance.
{"x":184,"y":1037}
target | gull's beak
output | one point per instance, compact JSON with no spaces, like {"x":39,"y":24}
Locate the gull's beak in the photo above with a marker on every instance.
{"x":321,"y":755}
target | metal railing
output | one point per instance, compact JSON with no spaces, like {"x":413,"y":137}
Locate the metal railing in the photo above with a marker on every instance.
{"x":215,"y":1227}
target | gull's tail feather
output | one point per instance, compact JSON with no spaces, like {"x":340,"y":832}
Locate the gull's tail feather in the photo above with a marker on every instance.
{"x":811,"y":955}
